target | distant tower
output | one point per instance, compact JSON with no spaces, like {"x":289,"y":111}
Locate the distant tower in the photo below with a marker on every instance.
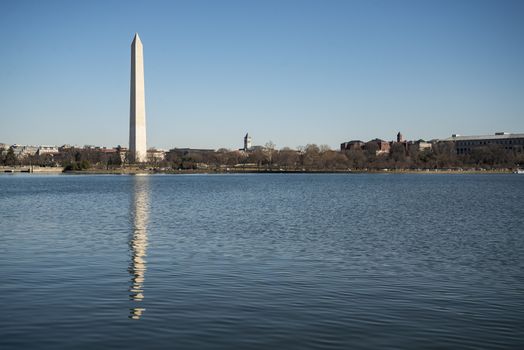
{"x":247,"y":142}
{"x":137,"y":114}
{"x":400,"y":138}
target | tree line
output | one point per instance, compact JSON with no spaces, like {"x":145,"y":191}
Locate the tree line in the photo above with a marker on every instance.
{"x":310,"y":157}
{"x":322,"y":158}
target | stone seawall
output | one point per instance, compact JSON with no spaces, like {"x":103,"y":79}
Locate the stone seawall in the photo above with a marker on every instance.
{"x":30,"y":169}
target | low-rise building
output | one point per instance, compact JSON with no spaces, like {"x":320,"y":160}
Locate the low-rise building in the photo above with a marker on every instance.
{"x":47,"y":150}
{"x":352,"y":145}
{"x":123,"y":152}
{"x":155,"y":155}
{"x":506,"y":141}
{"x":187,"y":152}
{"x":109,"y":151}
{"x":66,"y":148}
{"x":21,"y":151}
{"x":419,"y":146}
{"x":385,"y":147}
{"x":380,"y":146}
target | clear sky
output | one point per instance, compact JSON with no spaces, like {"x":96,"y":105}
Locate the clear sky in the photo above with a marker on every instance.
{"x":293,"y":72}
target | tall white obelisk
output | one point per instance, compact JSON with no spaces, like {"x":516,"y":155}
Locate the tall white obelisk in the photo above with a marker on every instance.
{"x":137,"y":115}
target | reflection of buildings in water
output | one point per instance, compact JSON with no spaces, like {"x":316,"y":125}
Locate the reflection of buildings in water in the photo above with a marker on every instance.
{"x":138,"y":242}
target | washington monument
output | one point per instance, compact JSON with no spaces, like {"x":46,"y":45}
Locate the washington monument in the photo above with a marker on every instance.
{"x":137,"y":113}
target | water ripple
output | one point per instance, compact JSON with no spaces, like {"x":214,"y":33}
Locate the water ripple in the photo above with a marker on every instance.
{"x":260,"y":261}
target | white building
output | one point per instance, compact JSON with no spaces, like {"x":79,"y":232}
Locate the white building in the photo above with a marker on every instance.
{"x":156,"y":155}
{"x":247,"y":142}
{"x":21,"y":151}
{"x":47,"y":150}
{"x":508,"y":141}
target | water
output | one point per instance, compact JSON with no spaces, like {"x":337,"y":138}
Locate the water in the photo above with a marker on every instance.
{"x":262,"y":261}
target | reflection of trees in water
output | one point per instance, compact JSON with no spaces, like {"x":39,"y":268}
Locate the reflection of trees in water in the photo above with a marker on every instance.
{"x":138,"y":242}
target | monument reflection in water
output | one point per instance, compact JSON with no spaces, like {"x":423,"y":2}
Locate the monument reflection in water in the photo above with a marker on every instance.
{"x":138,"y":243}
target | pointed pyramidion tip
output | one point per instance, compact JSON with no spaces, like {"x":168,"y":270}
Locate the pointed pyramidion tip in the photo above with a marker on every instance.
{"x":136,"y":38}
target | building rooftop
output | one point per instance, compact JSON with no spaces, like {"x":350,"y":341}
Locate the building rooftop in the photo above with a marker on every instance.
{"x":355,"y":141}
{"x":496,"y":136}
{"x":192,"y":149}
{"x":377,"y":140}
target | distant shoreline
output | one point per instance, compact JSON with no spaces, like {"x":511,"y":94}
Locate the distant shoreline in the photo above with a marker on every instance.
{"x":135,"y":171}
{"x":183,"y":172}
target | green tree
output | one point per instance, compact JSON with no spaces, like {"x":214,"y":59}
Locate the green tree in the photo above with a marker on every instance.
{"x":10,"y":158}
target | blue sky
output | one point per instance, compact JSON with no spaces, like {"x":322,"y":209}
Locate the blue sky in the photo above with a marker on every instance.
{"x":293,"y":72}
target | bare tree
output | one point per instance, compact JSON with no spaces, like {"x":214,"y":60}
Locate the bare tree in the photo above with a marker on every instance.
{"x":356,"y":158}
{"x":258,"y":156}
{"x":287,"y":157}
{"x":324,"y":148}
{"x":311,"y":156}
{"x":269,"y":151}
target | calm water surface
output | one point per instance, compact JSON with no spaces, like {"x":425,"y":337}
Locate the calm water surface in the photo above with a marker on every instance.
{"x":262,"y":261}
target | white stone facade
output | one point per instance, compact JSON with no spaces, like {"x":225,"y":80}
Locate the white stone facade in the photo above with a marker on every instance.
{"x":137,"y":118}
